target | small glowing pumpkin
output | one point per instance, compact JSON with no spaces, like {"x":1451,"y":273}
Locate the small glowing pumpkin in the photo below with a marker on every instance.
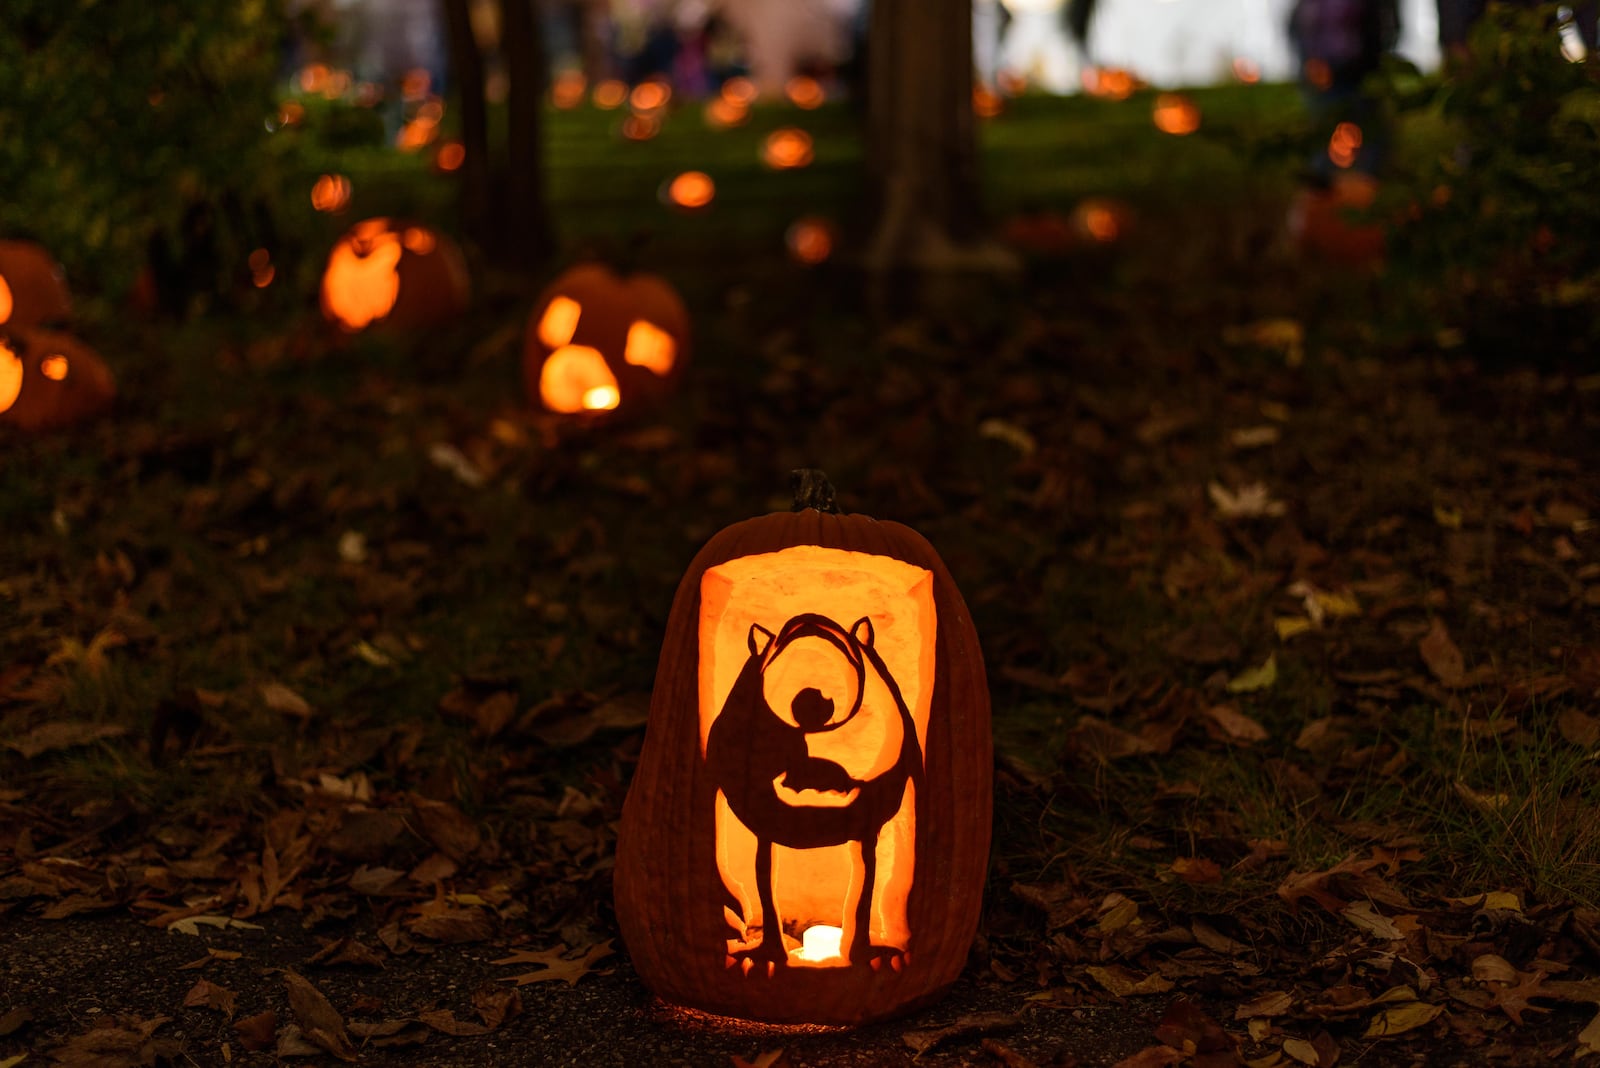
{"x":597,"y":341}
{"x":1335,"y":223}
{"x":33,"y":289}
{"x":807,"y":833}
{"x":399,"y":274}
{"x":50,"y":380}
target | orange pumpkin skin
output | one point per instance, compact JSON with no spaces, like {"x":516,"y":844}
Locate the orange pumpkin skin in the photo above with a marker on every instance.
{"x":1321,"y":222}
{"x":672,"y":903}
{"x":50,"y":380}
{"x":33,"y":289}
{"x":394,"y":274}
{"x":603,"y":314}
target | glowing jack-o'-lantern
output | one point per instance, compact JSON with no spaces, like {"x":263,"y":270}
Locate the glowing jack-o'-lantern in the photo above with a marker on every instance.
{"x":50,"y":380}
{"x":597,"y":340}
{"x":806,"y":836}
{"x":33,"y":290}
{"x":393,"y":273}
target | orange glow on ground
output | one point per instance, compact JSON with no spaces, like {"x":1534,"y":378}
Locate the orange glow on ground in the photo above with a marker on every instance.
{"x":809,"y":240}
{"x":610,"y":94}
{"x":638,"y":127}
{"x":330,"y":193}
{"x":451,"y":155}
{"x":723,"y":113}
{"x":650,"y":347}
{"x":786,"y":149}
{"x":1176,"y":114}
{"x":10,"y":377}
{"x":567,"y":91}
{"x":887,"y":608}
{"x":805,"y":92}
{"x":647,"y":96}
{"x":691,"y":190}
{"x":576,"y":379}
{"x":1345,"y":144}
{"x":559,"y":322}
{"x":740,"y":91}
{"x":6,"y":302}
{"x":54,"y":367}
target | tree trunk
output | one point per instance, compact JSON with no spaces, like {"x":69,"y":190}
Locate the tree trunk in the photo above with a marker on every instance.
{"x":466,"y":64}
{"x":923,"y":157}
{"x":527,"y":234}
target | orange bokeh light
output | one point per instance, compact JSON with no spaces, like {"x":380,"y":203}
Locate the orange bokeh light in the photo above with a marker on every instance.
{"x":650,"y":347}
{"x":54,"y":367}
{"x":450,"y":157}
{"x":576,"y":379}
{"x":6,"y":301}
{"x":638,"y":127}
{"x":1318,"y":73}
{"x":10,"y":376}
{"x":313,"y":78}
{"x":1100,"y":220}
{"x":567,"y":91}
{"x":361,"y":284}
{"x":691,"y":190}
{"x":418,"y":133}
{"x":1246,"y":70}
{"x":291,"y":113}
{"x":805,"y":92}
{"x":809,"y":240}
{"x":739,"y":90}
{"x":786,"y":149}
{"x":1345,"y":144}
{"x":650,"y":95}
{"x":330,"y":193}
{"x":610,"y":94}
{"x":1176,"y":114}
{"x":986,"y":103}
{"x":1110,"y":83}
{"x":722,"y":113}
{"x":415,"y":83}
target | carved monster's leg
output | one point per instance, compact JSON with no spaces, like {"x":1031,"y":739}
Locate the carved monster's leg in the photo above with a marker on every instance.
{"x":861,"y":940}
{"x":771,"y":946}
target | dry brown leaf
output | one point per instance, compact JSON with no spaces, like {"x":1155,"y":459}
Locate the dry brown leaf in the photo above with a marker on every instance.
{"x":1007,"y":1056}
{"x":554,"y":964}
{"x":64,"y":734}
{"x":1125,"y":983}
{"x":977,"y":1023}
{"x":495,"y":1005}
{"x":443,"y":1020}
{"x":1398,"y":1019}
{"x":1186,"y":1026}
{"x":256,"y":1032}
{"x":1272,"y":1003}
{"x":447,"y":827}
{"x":1237,"y":726}
{"x":281,"y":699}
{"x":346,"y":951}
{"x":208,"y":995}
{"x":1197,"y":871}
{"x":319,"y":1021}
{"x":1442,"y":656}
{"x":1153,"y":1057}
{"x":117,"y":1042}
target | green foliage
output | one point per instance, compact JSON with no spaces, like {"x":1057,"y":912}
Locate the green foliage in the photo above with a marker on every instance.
{"x":124,"y":128}
{"x":1497,"y":191}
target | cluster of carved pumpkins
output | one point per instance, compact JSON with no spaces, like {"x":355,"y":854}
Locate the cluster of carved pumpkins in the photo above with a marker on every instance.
{"x":48,"y":378}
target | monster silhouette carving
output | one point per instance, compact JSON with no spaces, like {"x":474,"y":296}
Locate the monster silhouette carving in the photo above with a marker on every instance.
{"x":816,"y":756}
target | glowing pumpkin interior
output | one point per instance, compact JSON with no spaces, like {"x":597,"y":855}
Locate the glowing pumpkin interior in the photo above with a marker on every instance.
{"x":6,"y":302}
{"x":10,"y":377}
{"x":361,"y":283}
{"x":577,"y":378}
{"x":816,"y":664}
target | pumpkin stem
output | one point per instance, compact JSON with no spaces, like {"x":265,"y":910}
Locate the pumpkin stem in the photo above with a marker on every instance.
{"x":812,"y":490}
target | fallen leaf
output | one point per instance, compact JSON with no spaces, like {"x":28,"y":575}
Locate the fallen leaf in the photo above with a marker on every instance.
{"x":256,"y":1032}
{"x":978,"y":1023}
{"x":1125,"y":983}
{"x":319,"y":1021}
{"x":1236,"y":725}
{"x":1197,"y":871}
{"x":1589,"y":1037}
{"x":117,"y":1042}
{"x":772,"y":1058}
{"x":1398,"y":1019}
{"x":1152,"y":1057}
{"x":1249,"y":502}
{"x":445,"y":1021}
{"x":1369,"y":919}
{"x":208,"y":995}
{"x":64,"y":734}
{"x":554,"y":964}
{"x":1186,"y":1026}
{"x":1442,"y":656}
{"x":1261,"y":677}
{"x":280,"y":698}
{"x":1007,"y":1056}
{"x":1272,"y":1003}
{"x":1300,"y":1050}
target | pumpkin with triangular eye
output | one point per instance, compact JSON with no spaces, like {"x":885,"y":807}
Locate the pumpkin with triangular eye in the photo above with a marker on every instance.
{"x":393,"y":273}
{"x":49,"y":380}
{"x":598,"y":341}
{"x":33,"y":289}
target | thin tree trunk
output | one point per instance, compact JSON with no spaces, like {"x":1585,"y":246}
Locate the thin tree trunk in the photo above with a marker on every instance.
{"x":924,"y":158}
{"x":467,"y":66}
{"x":527,"y":223}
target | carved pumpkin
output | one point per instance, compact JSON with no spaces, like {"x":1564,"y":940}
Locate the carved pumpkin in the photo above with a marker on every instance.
{"x":394,"y":273}
{"x":597,"y":340}
{"x":33,"y":290}
{"x":1334,"y":223}
{"x":50,"y":380}
{"x":807,"y":833}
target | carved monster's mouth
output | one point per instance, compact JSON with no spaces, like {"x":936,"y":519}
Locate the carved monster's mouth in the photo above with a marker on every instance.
{"x":810,"y":797}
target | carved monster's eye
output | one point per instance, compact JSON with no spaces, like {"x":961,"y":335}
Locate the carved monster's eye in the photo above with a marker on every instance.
{"x":811,"y":684}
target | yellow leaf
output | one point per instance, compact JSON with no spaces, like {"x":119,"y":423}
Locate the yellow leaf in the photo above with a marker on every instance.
{"x":1288,"y":626}
{"x":1339,"y":604}
{"x":1257,"y":678}
{"x":1588,"y":1038}
{"x":1499,"y":900}
{"x":1401,"y":1018}
{"x":1124,"y":983}
{"x":1301,"y":1050}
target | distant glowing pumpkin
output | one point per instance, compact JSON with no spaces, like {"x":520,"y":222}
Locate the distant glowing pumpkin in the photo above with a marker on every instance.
{"x":50,"y":380}
{"x":33,"y":289}
{"x":399,"y":274}
{"x":598,"y":341}
{"x":1176,"y":114}
{"x":787,"y":149}
{"x":810,"y":240}
{"x":689,"y":191}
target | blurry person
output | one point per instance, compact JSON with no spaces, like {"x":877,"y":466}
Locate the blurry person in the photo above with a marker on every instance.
{"x":1338,"y":43}
{"x":1036,"y":46}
